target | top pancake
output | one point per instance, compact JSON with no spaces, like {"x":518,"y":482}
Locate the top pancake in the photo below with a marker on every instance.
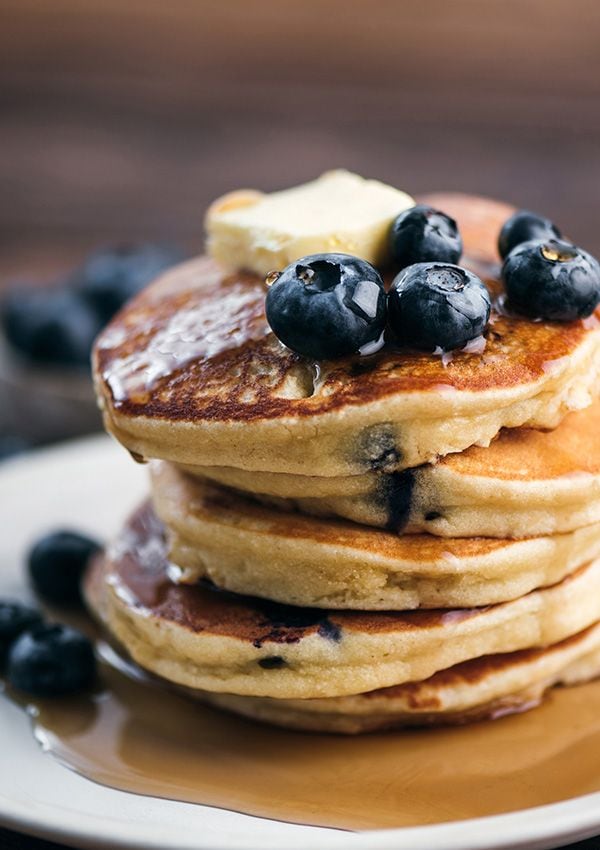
{"x":190,"y":372}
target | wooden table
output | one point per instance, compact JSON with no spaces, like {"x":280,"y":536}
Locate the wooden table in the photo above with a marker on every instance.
{"x":122,"y":119}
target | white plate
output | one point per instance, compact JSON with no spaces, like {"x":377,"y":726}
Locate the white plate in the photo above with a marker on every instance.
{"x":91,"y":484}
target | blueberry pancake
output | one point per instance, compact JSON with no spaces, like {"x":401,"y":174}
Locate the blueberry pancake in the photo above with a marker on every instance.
{"x":484,"y":688}
{"x":526,"y":483}
{"x":248,"y":548}
{"x":375,"y":473}
{"x":209,"y":640}
{"x":190,"y":372}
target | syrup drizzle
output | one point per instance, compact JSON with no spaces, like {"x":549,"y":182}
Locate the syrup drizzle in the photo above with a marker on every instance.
{"x":203,"y":331}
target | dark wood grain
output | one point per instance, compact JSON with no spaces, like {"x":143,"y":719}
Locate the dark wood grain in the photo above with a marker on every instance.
{"x":123,"y":119}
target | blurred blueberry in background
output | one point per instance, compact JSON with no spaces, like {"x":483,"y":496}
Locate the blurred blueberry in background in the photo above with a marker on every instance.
{"x":50,"y":326}
{"x":57,"y":326}
{"x":12,"y":445}
{"x":111,"y":276}
{"x":47,"y":333}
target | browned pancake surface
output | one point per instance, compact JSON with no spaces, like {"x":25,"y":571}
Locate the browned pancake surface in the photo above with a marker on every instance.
{"x":137,"y":569}
{"x":196,"y":346}
{"x":421,"y":695}
{"x":524,"y":454}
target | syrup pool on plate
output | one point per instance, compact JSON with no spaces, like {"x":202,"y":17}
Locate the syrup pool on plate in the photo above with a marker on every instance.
{"x":135,"y":735}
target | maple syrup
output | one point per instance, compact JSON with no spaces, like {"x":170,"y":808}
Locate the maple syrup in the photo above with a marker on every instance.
{"x":135,"y":735}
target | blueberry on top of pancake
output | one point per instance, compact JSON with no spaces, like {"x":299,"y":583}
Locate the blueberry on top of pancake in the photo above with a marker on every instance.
{"x":189,"y":371}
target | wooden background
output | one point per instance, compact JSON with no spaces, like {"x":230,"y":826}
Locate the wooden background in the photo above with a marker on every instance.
{"x":121,"y":119}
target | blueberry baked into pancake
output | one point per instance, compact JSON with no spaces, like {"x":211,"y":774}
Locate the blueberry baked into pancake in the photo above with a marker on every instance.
{"x":375,"y":478}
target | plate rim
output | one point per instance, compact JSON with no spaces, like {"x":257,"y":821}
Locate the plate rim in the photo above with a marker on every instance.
{"x":535,"y":828}
{"x":531,"y":828}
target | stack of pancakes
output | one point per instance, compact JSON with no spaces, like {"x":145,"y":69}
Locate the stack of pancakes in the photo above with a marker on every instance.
{"x":359,"y":544}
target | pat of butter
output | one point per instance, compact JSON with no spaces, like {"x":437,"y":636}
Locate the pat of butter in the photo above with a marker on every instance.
{"x":338,"y":212}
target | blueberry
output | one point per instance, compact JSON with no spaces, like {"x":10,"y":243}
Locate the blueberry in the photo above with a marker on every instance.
{"x":12,"y":445}
{"x":524,"y":226}
{"x":437,"y":306}
{"x":50,"y":326}
{"x":327,"y":305}
{"x":552,"y":279}
{"x":422,"y":235}
{"x":51,"y":660}
{"x":15,"y":618}
{"x":111,"y":276}
{"x":56,"y":565}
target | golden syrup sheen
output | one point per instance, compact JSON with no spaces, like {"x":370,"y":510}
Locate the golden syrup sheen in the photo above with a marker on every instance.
{"x":136,"y":736}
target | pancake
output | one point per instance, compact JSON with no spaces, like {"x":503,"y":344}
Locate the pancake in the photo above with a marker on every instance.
{"x":190,"y":372}
{"x":210,"y":640}
{"x":248,"y":548}
{"x":483,"y":689}
{"x":526,"y":483}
